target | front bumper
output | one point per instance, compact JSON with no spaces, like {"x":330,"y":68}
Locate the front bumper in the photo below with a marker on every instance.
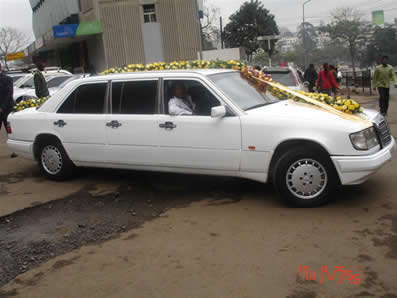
{"x":21,"y":148}
{"x":357,"y":169}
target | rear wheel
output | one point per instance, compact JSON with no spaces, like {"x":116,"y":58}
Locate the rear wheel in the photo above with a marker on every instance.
{"x":304,"y":177}
{"x":54,"y":161}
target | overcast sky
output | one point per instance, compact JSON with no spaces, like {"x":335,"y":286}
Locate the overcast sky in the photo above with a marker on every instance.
{"x":17,"y":13}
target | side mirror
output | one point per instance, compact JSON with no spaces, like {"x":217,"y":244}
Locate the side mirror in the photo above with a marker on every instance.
{"x":218,"y":112}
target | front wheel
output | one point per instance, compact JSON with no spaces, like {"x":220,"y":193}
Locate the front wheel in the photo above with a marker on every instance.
{"x":54,"y":162}
{"x":305,"y":178}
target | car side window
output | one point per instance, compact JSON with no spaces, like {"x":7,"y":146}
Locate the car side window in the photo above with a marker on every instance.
{"x":188,"y":97}
{"x":86,"y":99}
{"x":134,"y":97}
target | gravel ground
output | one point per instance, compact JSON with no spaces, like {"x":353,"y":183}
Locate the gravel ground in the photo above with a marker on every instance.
{"x":37,"y":234}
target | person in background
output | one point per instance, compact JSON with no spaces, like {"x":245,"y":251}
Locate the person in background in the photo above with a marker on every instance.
{"x":91,"y":70}
{"x":334,"y":72}
{"x":40,"y":84}
{"x":384,"y":73}
{"x":300,"y":74}
{"x":181,"y":103}
{"x":6,"y":100}
{"x":326,"y":81}
{"x":311,"y":77}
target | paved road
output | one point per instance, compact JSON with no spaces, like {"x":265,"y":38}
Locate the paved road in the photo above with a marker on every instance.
{"x":132,"y":234}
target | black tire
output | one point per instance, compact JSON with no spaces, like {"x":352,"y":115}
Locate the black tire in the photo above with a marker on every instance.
{"x":54,"y":162}
{"x":305,"y":177}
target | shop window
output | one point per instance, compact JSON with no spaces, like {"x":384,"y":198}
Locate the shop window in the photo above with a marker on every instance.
{"x":149,"y":13}
{"x":134,"y":98}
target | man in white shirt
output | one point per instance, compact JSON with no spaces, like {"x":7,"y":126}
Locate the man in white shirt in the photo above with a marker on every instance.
{"x":181,"y":103}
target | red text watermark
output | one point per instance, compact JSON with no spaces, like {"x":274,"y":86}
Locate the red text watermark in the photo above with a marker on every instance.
{"x":339,"y":273}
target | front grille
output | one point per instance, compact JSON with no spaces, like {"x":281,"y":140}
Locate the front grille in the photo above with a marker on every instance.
{"x":384,"y":134}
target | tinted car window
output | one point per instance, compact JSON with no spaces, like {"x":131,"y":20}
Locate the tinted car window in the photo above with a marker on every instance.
{"x":68,"y":105}
{"x":55,"y":82}
{"x":136,"y":98}
{"x":86,"y":99}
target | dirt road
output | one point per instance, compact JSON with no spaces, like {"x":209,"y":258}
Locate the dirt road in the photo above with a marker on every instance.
{"x":133,"y":234}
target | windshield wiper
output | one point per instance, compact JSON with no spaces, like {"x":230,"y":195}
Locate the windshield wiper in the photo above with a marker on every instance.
{"x":256,"y":106}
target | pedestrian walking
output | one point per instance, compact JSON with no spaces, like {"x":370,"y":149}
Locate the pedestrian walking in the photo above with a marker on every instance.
{"x":40,"y":84}
{"x":334,"y":72}
{"x":6,"y":100}
{"x":311,"y":77}
{"x":384,"y":73}
{"x":326,"y":81}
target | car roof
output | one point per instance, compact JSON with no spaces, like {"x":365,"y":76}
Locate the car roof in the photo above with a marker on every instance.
{"x":159,"y":73}
{"x":277,"y":69}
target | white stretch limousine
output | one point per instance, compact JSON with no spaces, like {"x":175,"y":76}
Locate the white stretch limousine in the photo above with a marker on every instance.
{"x":123,"y":121}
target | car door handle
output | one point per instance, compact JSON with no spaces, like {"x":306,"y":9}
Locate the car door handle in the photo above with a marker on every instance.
{"x":167,"y":125}
{"x":113,"y":124}
{"x":60,"y":123}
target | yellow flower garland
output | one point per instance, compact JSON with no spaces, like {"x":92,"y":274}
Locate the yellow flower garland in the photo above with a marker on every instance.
{"x":30,"y":103}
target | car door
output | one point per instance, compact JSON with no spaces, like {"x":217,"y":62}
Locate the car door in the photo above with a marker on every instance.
{"x":198,"y":141}
{"x":80,"y":122}
{"x":131,"y":126}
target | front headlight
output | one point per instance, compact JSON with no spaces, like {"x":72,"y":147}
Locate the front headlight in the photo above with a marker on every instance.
{"x":365,"y":139}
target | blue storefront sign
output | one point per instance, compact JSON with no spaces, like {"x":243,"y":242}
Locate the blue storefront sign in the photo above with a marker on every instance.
{"x":65,"y":30}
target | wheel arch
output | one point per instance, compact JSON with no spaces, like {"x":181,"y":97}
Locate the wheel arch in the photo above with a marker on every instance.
{"x":288,"y":144}
{"x":42,"y":139}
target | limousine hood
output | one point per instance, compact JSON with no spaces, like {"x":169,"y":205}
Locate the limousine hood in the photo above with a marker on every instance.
{"x":296,"y":112}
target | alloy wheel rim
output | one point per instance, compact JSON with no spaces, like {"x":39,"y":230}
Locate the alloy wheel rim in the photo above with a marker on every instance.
{"x":306,"y":179}
{"x":52,"y":161}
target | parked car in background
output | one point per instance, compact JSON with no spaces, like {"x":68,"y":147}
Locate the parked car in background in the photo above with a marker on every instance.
{"x":16,"y":75}
{"x":123,"y":121}
{"x":26,"y":90}
{"x":288,"y":76}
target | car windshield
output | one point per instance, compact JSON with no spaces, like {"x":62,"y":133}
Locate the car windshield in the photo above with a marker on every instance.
{"x":16,"y":78}
{"x":28,"y":84}
{"x":57,"y":81}
{"x":284,"y":77}
{"x":241,"y":91}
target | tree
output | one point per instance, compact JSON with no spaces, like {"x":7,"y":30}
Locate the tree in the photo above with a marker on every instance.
{"x":346,"y":26}
{"x":247,"y":24}
{"x":11,"y":41}
{"x":209,"y":29}
{"x":308,"y":38}
{"x":383,"y":42}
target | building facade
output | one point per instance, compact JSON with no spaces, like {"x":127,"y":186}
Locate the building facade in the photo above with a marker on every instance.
{"x":287,"y":44}
{"x":126,"y":31}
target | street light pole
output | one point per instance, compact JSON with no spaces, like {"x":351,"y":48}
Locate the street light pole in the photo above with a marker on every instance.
{"x":304,"y":33}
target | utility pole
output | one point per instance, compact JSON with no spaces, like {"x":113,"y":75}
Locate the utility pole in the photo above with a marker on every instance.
{"x":221,"y":27}
{"x":304,"y":33}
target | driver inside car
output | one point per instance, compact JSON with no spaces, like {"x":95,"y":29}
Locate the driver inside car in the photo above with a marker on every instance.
{"x":181,"y":103}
